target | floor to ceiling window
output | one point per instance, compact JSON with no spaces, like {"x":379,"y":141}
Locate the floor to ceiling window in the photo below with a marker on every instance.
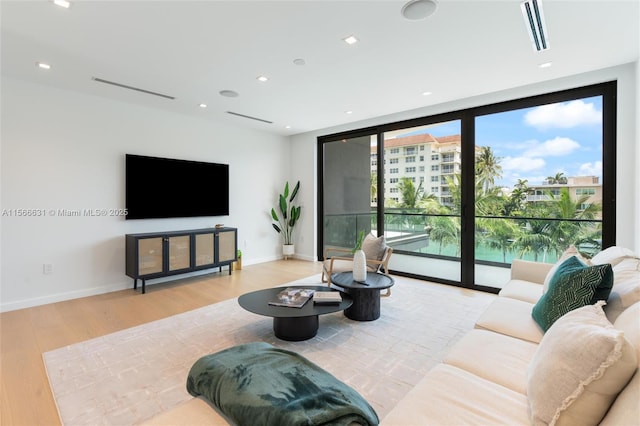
{"x":422,"y":166}
{"x":538,"y":183}
{"x":462,"y":194}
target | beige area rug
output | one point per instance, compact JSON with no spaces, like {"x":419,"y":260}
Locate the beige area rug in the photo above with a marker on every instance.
{"x":129,"y":376}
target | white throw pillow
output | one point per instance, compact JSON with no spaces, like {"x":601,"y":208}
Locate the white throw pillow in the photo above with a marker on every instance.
{"x":570,"y":251}
{"x":374,"y":248}
{"x":580,"y":366}
{"x":612,"y":255}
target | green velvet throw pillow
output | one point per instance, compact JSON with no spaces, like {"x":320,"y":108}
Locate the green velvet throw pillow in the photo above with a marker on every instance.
{"x":573,"y":285}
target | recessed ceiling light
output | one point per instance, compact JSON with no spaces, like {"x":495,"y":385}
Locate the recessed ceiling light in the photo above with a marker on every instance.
{"x":416,"y":10}
{"x":287,"y":127}
{"x":62,"y":3}
{"x":545,"y":65}
{"x":348,"y":112}
{"x":350,"y":40}
{"x":262,"y":78}
{"x":426,"y":93}
{"x":43,"y":65}
{"x":229,"y":93}
{"x":299,"y":61}
{"x":202,"y":105}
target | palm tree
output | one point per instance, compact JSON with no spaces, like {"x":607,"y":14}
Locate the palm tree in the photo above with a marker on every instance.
{"x":488,"y":168}
{"x":516,"y":202}
{"x":446,"y":231}
{"x":559,"y":178}
{"x":410,"y":194}
{"x":498,"y":234}
{"x":567,"y":232}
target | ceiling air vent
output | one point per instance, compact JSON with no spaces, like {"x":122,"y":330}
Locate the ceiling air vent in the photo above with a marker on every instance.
{"x":137,"y":89}
{"x":534,"y":21}
{"x":249,"y":117}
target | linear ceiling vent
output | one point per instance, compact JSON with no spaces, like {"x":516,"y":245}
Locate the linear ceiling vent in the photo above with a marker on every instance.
{"x":249,"y":117}
{"x":534,"y":21}
{"x":137,"y":89}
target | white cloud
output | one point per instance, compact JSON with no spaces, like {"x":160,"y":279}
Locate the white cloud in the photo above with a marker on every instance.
{"x":591,"y":169}
{"x":563,"y":115}
{"x":552,"y":148}
{"x":522,"y":164}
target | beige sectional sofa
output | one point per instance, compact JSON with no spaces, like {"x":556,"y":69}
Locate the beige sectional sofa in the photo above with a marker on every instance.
{"x":496,"y":373}
{"x":490,"y":375}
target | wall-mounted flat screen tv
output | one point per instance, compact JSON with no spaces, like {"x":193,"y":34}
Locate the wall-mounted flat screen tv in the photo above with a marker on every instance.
{"x":168,"y":188}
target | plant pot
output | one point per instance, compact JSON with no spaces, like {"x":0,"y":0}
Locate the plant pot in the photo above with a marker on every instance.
{"x":237,"y":265}
{"x":288,"y":250}
{"x":359,"y":266}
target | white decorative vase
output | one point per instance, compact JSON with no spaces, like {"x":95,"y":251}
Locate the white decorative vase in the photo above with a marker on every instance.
{"x":288,"y":250}
{"x":359,"y":266}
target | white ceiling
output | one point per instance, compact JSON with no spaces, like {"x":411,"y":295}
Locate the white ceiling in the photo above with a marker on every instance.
{"x":194,"y":49}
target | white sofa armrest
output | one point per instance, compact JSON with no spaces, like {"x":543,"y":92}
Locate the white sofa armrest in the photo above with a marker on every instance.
{"x":527,"y":270}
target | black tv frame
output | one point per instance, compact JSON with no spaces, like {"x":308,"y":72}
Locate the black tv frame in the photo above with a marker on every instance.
{"x":160,"y":188}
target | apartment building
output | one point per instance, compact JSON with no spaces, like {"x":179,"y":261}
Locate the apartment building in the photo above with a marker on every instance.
{"x":578,"y":186}
{"x":425,"y":159}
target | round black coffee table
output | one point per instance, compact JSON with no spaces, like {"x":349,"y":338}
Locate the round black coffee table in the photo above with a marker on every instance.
{"x":366,"y":296}
{"x":293,"y":324}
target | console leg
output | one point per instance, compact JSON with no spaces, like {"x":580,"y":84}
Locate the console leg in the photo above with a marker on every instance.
{"x":144,"y":286}
{"x":135,"y":283}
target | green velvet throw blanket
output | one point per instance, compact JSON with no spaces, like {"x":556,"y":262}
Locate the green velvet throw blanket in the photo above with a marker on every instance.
{"x":258,"y":384}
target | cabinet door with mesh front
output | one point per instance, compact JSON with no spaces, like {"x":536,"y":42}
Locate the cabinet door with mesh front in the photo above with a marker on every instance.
{"x":150,"y":256}
{"x":204,"y":251}
{"x":179,"y":252}
{"x":227,"y":246}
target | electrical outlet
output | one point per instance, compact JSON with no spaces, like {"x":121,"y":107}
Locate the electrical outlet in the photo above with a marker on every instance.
{"x":47,"y":268}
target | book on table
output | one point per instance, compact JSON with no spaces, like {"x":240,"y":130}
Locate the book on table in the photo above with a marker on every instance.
{"x":327,"y":297}
{"x":292,"y":297}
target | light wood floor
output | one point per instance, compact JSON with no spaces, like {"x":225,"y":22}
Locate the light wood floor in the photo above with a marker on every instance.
{"x":26,"y":398}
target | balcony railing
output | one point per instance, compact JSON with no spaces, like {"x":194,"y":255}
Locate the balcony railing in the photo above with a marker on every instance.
{"x":498,"y":240}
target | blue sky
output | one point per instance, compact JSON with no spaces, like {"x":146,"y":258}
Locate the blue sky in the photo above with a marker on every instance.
{"x":534,"y":143}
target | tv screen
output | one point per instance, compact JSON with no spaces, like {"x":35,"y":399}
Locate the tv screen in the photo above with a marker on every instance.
{"x":165,"y":188}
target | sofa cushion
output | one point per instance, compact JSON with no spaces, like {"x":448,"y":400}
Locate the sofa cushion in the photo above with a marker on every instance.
{"x":626,"y":410}
{"x":580,"y":366}
{"x":626,"y":287}
{"x":527,"y":270}
{"x":572,"y":286}
{"x":510,"y":317}
{"x":194,"y":412}
{"x":612,"y":255}
{"x":451,"y":396}
{"x":498,"y":358}
{"x":522,"y":290}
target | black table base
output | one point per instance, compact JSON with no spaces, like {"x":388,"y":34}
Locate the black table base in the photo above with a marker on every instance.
{"x":366,"y":306}
{"x":295,"y":329}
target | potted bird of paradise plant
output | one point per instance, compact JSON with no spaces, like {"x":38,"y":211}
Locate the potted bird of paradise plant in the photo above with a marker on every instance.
{"x":286,"y":218}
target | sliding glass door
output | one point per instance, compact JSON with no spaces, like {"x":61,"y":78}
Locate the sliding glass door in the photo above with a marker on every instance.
{"x":421,"y":176}
{"x":460,"y":195}
{"x":538,"y":185}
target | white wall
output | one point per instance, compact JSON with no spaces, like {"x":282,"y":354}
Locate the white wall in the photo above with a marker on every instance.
{"x":628,"y":135}
{"x":64,"y":150}
{"x":637,"y":145}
